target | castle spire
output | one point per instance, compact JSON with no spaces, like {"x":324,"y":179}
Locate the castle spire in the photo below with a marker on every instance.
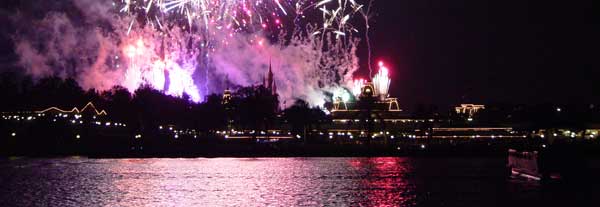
{"x":274,"y":88}
{"x":270,"y":76}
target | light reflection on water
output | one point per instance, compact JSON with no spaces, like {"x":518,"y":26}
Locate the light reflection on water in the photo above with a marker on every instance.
{"x":261,"y":181}
{"x":207,"y":182}
{"x":382,"y":181}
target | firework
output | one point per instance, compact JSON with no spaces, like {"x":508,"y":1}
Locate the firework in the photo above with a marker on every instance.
{"x":341,"y":94}
{"x":357,"y":86}
{"x":190,"y":46}
{"x":213,"y":18}
{"x":381,"y":81}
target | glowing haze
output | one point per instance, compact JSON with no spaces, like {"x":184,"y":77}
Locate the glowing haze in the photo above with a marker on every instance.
{"x":194,"y":47}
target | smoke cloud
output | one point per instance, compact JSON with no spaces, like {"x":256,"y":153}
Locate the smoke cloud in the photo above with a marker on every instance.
{"x":92,"y":42}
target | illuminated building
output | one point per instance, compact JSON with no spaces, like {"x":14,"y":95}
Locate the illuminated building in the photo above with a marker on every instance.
{"x":468,"y":109}
{"x":368,"y":107}
{"x":226,"y":97}
{"x":89,"y":108}
{"x":376,"y":91}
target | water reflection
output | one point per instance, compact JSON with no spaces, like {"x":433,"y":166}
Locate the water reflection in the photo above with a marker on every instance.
{"x":261,"y":182}
{"x":206,"y":182}
{"x":265,"y":181}
{"x":385,"y":181}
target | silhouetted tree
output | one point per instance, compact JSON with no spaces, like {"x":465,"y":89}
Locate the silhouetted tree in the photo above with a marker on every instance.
{"x":254,"y":107}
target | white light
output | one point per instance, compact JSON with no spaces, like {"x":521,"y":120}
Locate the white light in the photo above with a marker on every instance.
{"x":554,"y":134}
{"x":298,"y":136}
{"x":341,"y":94}
{"x":77,"y":136}
{"x":542,"y":136}
{"x":392,"y":136}
{"x":176,"y":136}
{"x":330,"y":137}
{"x":422,"y":146}
{"x":357,"y":86}
{"x":544,"y":146}
{"x":558,"y":109}
{"x":470,"y":119}
{"x":381,"y":81}
{"x":13,"y":134}
{"x":160,"y":127}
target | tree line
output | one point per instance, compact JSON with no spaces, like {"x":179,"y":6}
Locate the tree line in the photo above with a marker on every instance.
{"x":253,"y":107}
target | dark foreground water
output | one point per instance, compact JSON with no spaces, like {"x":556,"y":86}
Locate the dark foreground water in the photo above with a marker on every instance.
{"x":275,"y":182}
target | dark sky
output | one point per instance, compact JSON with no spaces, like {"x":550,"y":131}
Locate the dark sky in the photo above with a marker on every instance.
{"x":447,"y":51}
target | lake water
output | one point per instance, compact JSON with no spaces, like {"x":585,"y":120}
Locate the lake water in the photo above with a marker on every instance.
{"x":78,"y":181}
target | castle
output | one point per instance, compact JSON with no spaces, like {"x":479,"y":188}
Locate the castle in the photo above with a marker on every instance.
{"x":269,"y":83}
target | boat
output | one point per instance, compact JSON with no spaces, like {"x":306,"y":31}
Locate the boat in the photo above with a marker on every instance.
{"x":524,"y":164}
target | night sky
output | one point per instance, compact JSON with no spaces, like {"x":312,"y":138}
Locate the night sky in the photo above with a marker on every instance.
{"x":447,"y":52}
